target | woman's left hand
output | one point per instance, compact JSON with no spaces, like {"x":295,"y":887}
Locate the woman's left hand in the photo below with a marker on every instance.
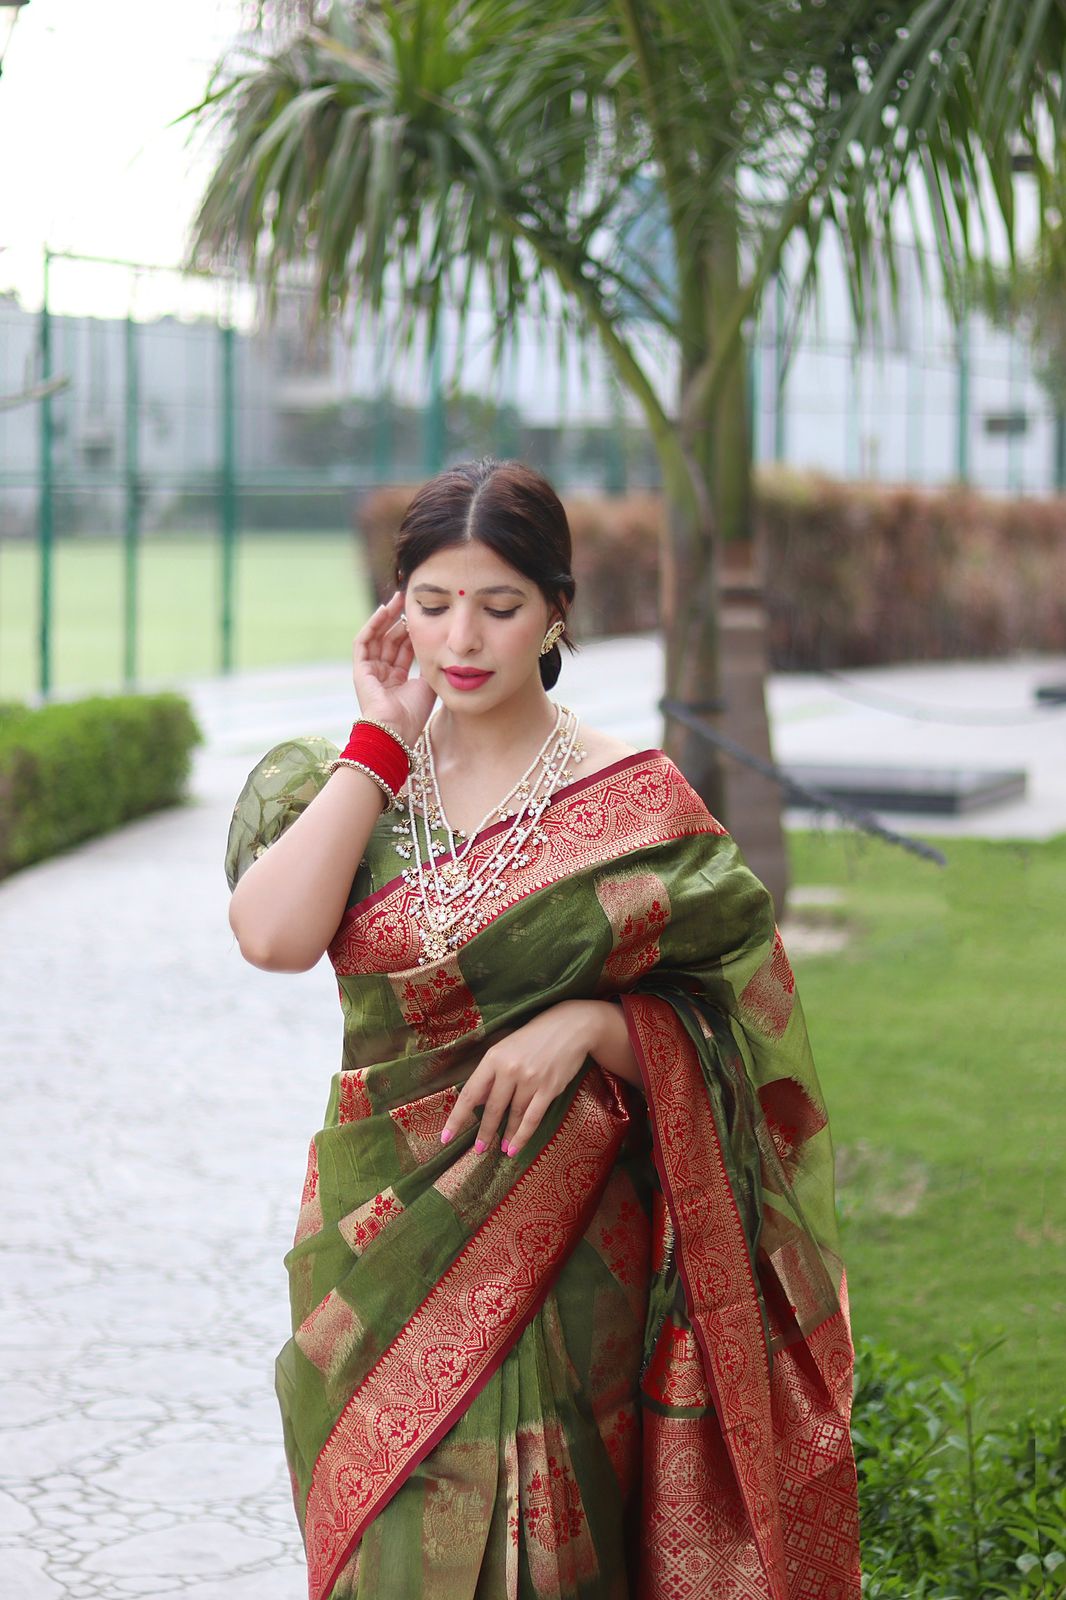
{"x":521,"y":1073}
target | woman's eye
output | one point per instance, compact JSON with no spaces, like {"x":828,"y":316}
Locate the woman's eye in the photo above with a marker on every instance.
{"x":435,"y":611}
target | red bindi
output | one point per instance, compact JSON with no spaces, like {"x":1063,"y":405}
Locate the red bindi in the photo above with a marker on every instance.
{"x":462,"y":591}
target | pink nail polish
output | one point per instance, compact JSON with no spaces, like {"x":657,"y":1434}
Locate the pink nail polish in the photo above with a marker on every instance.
{"x":511,"y":1149}
{"x":480,"y":1146}
{"x":445,"y":1135}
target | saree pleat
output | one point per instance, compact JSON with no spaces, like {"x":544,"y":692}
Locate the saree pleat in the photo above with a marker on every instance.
{"x":527,"y":1492}
{"x":618,"y":1365}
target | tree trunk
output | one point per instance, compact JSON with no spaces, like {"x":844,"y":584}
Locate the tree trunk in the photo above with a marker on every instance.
{"x":713,"y":617}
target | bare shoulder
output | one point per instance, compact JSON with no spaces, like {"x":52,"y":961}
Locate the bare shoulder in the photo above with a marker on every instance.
{"x":602,"y":748}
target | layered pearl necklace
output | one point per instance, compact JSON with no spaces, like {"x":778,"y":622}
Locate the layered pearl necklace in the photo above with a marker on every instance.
{"x":454,"y":901}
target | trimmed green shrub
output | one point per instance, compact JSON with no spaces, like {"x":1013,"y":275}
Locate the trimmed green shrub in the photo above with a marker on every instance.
{"x":74,"y":769}
{"x":950,"y":1510}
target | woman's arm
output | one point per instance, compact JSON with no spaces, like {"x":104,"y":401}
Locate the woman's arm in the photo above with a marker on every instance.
{"x":609,"y":1044}
{"x":288,"y":904}
{"x":518,"y":1077}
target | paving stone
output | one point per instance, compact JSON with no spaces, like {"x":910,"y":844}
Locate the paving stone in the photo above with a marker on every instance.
{"x":22,"y":1574}
{"x":208,"y":1472}
{"x":14,"y":1516}
{"x":36,"y":1452}
{"x":280,"y":1582}
{"x":149,"y":1586}
{"x":184,"y":1376}
{"x":193,"y":1548}
{"x":23,"y":1404}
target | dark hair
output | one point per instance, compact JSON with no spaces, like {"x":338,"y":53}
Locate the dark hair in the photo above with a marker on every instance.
{"x":512,"y":509}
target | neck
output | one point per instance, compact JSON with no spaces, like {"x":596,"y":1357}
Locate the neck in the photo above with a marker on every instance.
{"x":513,"y":729}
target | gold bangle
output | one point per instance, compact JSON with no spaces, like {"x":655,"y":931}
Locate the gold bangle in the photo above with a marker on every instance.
{"x":387,"y":727}
{"x":347,"y":761}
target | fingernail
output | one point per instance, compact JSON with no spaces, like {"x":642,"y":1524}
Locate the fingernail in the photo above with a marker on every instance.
{"x":445,"y":1135}
{"x":480,"y":1146}
{"x":512,"y":1149}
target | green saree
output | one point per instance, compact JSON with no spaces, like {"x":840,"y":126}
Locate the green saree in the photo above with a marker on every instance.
{"x":619,"y":1364}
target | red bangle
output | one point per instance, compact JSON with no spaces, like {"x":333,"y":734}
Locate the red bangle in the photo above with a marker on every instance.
{"x":379,"y":750}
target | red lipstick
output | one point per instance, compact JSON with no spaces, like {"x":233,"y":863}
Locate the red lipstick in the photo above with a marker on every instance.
{"x":466,"y":677}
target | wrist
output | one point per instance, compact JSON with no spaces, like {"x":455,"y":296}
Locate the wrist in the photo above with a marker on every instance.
{"x":366,"y":726}
{"x":594,"y":1021}
{"x":377,"y":749}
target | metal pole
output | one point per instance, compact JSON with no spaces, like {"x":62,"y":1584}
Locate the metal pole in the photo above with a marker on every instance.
{"x":752,"y":356}
{"x":853,"y":419}
{"x":616,"y":476}
{"x":1060,"y":451}
{"x":962,"y":415}
{"x":46,"y":515}
{"x":228,"y":496}
{"x":779,"y":368}
{"x":383,"y":442}
{"x":133,"y":504}
{"x":433,"y":437}
{"x":1014,"y":465}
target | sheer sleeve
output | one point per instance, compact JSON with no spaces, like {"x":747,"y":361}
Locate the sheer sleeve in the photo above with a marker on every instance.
{"x":275,"y":792}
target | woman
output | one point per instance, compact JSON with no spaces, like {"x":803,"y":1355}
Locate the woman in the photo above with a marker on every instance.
{"x":568,"y":1317}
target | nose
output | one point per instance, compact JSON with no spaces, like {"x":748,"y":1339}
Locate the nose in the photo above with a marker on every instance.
{"x":464,"y":634}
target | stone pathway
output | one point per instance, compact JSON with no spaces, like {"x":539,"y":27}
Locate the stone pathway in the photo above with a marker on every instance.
{"x":158,"y":1095}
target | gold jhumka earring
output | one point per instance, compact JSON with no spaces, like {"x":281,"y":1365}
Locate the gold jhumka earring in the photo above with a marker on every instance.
{"x":554,"y":632}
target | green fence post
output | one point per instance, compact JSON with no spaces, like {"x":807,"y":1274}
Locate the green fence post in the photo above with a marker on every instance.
{"x":615,"y":475}
{"x":751,"y":355}
{"x":1060,"y":451}
{"x":434,"y":421}
{"x":133,"y":504}
{"x":780,"y":441}
{"x":383,"y":444}
{"x":46,"y":512}
{"x":962,"y":395}
{"x":228,"y":495}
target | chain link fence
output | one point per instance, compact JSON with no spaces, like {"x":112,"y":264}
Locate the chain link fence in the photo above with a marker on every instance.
{"x":180,"y":476}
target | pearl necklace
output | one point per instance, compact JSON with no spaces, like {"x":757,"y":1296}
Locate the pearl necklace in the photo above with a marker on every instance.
{"x":451,"y":909}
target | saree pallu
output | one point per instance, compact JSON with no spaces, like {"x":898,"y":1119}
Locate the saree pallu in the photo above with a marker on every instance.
{"x":618,"y":1364}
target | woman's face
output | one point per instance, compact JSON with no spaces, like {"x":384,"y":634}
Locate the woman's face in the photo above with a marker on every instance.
{"x":468,"y":608}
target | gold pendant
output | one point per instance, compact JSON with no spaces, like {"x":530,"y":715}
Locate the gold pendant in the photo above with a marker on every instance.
{"x":455,"y":875}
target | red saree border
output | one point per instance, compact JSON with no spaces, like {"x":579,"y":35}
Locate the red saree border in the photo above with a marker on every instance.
{"x":462,"y":1331}
{"x":775,"y":1461}
{"x":381,"y":934}
{"x":714,"y":1262}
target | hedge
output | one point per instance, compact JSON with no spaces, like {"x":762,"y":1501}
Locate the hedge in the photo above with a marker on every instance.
{"x":950,"y":1510}
{"x":74,"y":769}
{"x":854,"y":574}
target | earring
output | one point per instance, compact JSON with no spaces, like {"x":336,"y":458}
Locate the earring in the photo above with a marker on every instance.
{"x":403,"y":618}
{"x":554,"y":632}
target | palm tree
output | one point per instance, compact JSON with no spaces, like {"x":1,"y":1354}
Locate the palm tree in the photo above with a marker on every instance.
{"x":509,"y":147}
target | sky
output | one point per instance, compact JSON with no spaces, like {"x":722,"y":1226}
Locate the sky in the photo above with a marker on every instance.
{"x":88,"y":162}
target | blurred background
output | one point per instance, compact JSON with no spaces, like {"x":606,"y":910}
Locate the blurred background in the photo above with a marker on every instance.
{"x":808,"y":411}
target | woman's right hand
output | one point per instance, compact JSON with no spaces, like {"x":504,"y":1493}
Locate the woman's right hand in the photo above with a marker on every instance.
{"x":382,"y":658}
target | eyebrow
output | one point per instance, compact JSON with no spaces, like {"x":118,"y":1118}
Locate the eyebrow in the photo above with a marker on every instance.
{"x":499,"y":588}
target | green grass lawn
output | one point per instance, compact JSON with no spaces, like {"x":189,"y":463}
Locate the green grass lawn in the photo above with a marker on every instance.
{"x":939,"y":1036}
{"x":299,"y":597}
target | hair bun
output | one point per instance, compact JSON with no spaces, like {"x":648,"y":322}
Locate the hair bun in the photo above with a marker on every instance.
{"x":551,"y":664}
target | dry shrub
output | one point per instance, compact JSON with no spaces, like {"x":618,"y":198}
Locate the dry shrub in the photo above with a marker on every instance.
{"x":862,"y":573}
{"x":855,"y":574}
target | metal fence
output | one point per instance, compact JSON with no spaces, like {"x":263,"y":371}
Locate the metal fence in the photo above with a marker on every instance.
{"x":146,"y":416}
